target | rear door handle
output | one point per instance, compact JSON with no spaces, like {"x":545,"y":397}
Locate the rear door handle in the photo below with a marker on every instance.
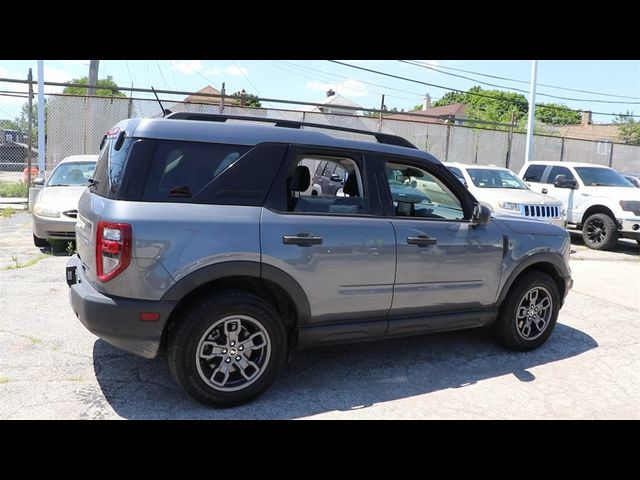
{"x":301,"y":239}
{"x":422,"y":240}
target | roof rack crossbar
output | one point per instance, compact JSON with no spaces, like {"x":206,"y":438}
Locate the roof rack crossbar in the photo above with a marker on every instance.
{"x":214,"y":117}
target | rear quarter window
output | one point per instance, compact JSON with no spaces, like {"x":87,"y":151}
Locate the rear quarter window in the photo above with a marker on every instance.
{"x":533,"y":173}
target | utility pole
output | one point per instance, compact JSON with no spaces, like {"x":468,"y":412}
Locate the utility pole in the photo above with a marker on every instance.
{"x":41,"y":125}
{"x":532,"y":111}
{"x":29,"y":129}
{"x":93,"y":76}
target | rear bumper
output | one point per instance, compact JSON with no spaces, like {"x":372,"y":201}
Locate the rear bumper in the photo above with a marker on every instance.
{"x":116,"y":320}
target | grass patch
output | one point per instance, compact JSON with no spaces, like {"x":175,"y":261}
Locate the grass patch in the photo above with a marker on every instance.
{"x":35,"y":340}
{"x":18,"y":264}
{"x":4,"y":380}
{"x":75,"y":378}
{"x":7,"y":212}
{"x":12,"y":189}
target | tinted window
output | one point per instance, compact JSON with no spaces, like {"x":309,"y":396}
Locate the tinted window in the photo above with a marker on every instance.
{"x":180,"y":170}
{"x":602,"y":177}
{"x":534,"y":173}
{"x":555,"y":171}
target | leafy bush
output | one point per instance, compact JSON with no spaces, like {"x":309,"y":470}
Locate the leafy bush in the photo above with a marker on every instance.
{"x":13,"y":190}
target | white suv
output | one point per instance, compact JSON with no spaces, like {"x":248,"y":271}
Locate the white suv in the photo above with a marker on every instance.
{"x":502,"y":191}
{"x":599,"y":200}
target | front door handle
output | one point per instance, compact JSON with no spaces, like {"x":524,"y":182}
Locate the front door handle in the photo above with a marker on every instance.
{"x":422,"y":240}
{"x":544,"y":190}
{"x":301,"y":239}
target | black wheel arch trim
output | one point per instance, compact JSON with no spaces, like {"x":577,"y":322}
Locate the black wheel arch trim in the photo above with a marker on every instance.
{"x":554,"y":259}
{"x":242,"y":268}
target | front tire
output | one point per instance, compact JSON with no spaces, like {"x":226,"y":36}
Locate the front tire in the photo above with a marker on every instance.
{"x":529,"y":313}
{"x":227,"y":350}
{"x":600,"y":232}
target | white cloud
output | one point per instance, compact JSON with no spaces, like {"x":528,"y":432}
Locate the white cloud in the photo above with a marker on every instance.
{"x":186,"y":67}
{"x":213,"y":71}
{"x":347,"y":88}
{"x":233,"y":70}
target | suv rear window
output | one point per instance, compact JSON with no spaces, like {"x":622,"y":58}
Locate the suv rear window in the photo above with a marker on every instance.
{"x":109,"y":168}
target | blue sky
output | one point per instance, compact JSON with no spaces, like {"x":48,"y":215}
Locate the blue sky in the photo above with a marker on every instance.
{"x":308,"y":80}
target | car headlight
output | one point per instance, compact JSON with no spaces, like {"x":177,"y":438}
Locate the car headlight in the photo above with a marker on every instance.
{"x":630,"y":206}
{"x":44,"y":210}
{"x":509,"y":206}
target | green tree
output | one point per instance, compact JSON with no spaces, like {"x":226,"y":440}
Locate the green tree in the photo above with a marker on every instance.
{"x":8,"y":124}
{"x":22,"y":122}
{"x":628,"y":128}
{"x":546,"y":113}
{"x":110,"y":87}
{"x":499,"y":107}
{"x":250,"y":99}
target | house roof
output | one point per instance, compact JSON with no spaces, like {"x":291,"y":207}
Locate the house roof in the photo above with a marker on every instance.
{"x":590,"y":132}
{"x":335,"y":101}
{"x":195,"y":98}
{"x":430,"y":115}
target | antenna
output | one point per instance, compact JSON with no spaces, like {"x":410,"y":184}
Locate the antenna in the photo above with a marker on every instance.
{"x":164,"y":112}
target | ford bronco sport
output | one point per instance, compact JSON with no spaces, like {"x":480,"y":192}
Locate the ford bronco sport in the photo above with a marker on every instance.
{"x":200,"y":237}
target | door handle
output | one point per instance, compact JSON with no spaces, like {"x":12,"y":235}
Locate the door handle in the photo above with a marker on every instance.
{"x":301,"y":239}
{"x":422,"y":240}
{"x":544,"y":190}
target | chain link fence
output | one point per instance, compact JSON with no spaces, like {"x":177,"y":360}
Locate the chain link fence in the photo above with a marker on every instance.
{"x":76,"y":124}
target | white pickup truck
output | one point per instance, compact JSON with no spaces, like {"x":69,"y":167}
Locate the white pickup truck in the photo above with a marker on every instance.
{"x":598,"y":200}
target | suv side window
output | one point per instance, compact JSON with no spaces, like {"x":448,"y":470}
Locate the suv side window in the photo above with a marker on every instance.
{"x":417,"y":193}
{"x":179,"y":170}
{"x":345,"y":197}
{"x":555,"y":171}
{"x":534,"y":173}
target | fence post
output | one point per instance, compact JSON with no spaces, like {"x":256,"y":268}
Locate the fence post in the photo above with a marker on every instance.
{"x":30,"y":129}
{"x":562,"y":150}
{"x":475,"y":147}
{"x":446,"y":146}
{"x":611,"y":155}
{"x":130,"y":106}
{"x":380,"y":116}
{"x":510,"y":139}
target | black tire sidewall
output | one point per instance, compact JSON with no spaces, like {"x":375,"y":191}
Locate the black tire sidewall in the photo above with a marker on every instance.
{"x":185,"y":336}
{"x":610,"y":228}
{"x":505,"y":326}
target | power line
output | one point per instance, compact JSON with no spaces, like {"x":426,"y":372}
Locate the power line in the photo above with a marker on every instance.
{"x":518,"y":89}
{"x":525,"y":82}
{"x":515,"y":102}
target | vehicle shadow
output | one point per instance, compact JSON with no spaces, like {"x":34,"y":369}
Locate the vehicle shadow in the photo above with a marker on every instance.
{"x":335,"y":378}
{"x":625,"y":246}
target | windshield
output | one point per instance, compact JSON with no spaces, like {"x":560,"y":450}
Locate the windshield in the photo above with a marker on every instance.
{"x":72,"y":174}
{"x":602,"y":177}
{"x":487,"y":178}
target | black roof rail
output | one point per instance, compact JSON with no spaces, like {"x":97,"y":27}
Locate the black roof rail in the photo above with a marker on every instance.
{"x":214,"y":117}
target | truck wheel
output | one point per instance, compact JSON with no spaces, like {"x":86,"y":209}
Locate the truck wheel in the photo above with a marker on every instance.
{"x":600,"y":232}
{"x":228,"y":349}
{"x":529,"y":313}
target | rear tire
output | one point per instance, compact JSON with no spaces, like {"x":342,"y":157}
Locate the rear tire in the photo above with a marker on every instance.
{"x":227,"y":350}
{"x":529,"y":313}
{"x":600,"y":232}
{"x":40,"y":242}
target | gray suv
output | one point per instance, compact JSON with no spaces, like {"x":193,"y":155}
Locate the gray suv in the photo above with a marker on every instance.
{"x":199,"y":237}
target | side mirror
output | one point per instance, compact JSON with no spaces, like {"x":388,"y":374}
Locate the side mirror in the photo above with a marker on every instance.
{"x":561,"y":181}
{"x":336,"y":178}
{"x":38,"y":181}
{"x":480,"y":216}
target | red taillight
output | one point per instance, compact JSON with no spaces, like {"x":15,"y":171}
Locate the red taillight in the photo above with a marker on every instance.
{"x":113,"y":249}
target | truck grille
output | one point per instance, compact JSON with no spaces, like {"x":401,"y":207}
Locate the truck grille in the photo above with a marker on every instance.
{"x":540,"y":211}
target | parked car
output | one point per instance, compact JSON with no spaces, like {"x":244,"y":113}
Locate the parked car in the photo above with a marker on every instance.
{"x":502,"y":191}
{"x":634,"y":178}
{"x":329,"y":177}
{"x":227,"y":270}
{"x":55,"y":208}
{"x":599,"y":201}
